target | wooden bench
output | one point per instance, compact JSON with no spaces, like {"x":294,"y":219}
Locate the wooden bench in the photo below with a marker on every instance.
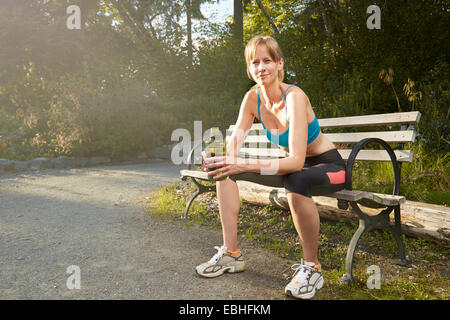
{"x":387,"y":132}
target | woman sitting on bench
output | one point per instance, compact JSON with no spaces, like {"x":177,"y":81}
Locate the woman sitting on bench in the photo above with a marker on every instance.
{"x":313,"y":166}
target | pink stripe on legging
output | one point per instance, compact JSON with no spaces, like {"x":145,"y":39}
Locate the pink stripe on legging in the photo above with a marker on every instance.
{"x":336,"y":177}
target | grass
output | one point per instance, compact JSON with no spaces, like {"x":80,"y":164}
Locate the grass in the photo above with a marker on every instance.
{"x":272,"y":228}
{"x":425,"y":179}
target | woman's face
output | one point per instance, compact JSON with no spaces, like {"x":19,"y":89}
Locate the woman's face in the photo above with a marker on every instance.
{"x":263,"y":68}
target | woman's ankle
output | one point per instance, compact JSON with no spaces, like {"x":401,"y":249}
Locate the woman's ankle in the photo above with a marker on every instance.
{"x":234,"y":252}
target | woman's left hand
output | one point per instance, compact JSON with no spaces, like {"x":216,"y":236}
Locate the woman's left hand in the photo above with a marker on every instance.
{"x":223,"y":166}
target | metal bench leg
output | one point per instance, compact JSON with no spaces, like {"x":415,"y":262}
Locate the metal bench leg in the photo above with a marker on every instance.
{"x":188,"y":205}
{"x":351,"y":252}
{"x":396,"y":230}
{"x":200,"y":189}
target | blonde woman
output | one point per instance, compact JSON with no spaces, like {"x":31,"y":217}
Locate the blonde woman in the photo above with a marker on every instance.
{"x":313,"y":166}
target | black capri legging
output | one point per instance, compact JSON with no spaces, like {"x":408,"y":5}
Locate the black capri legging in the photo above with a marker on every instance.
{"x":320,"y":175}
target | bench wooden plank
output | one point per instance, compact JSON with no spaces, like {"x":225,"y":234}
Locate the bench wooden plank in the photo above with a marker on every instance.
{"x":363,"y":155}
{"x":254,"y":139}
{"x":355,"y":195}
{"x":353,"y":137}
{"x":254,"y":131}
{"x":350,"y":195}
{"x":388,"y":136}
{"x":378,"y":155}
{"x":194,"y":174}
{"x":266,"y":152}
{"x":387,"y":119}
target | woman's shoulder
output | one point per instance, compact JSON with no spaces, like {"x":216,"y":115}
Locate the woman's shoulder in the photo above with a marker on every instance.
{"x":252,"y":95}
{"x":250,"y":102}
{"x":253,"y":91}
{"x":293,"y":88}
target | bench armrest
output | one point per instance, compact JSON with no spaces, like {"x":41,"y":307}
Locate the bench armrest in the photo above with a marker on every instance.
{"x":191,"y":159}
{"x":359,"y":146}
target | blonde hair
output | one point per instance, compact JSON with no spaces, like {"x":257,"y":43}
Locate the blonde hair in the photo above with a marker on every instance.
{"x":273,"y":48}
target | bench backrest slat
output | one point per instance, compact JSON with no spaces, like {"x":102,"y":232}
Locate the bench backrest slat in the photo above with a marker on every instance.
{"x":354,"y":137}
{"x":387,"y":119}
{"x":363,"y":155}
{"x":388,"y":136}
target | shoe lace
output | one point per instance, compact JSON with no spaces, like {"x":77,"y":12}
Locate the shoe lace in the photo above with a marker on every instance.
{"x":301,"y":273}
{"x":220,"y":252}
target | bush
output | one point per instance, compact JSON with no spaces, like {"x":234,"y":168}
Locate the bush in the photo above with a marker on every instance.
{"x":118,"y":121}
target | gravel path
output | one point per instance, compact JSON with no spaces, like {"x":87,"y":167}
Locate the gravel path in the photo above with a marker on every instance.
{"x":94,"y":218}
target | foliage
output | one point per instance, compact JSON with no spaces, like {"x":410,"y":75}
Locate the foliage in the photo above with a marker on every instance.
{"x":130,"y":75}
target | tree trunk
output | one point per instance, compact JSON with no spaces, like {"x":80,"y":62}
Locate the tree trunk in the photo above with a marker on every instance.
{"x":238,"y":21}
{"x":189,"y":30}
{"x":327,"y":29}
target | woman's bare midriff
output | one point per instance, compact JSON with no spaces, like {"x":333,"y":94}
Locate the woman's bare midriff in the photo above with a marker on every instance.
{"x":320,"y":145}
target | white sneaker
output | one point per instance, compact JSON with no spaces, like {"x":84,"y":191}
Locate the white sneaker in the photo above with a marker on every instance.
{"x":307,"y":279}
{"x":223,"y":261}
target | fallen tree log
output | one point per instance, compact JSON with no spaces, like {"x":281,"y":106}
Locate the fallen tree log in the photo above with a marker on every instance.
{"x":418,"y":219}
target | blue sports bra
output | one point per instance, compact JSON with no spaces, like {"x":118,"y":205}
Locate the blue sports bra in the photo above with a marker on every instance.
{"x":283,"y":139}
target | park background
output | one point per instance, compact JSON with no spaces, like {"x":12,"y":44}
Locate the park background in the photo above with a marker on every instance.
{"x":136,"y":70}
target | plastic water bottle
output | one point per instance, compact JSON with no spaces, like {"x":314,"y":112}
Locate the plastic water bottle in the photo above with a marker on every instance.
{"x":215,"y":147}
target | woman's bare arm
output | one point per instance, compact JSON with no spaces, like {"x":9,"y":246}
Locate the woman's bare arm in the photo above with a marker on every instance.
{"x":242,"y":126}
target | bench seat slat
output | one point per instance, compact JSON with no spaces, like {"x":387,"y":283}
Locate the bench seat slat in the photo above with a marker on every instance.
{"x":350,"y":195}
{"x":194,"y":174}
{"x":355,"y":195}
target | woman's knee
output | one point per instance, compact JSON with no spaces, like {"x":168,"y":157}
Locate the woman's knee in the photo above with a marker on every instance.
{"x":298,"y":199}
{"x":300,"y":204}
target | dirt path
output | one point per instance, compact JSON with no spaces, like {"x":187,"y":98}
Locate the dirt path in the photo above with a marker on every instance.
{"x":93,"y":218}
